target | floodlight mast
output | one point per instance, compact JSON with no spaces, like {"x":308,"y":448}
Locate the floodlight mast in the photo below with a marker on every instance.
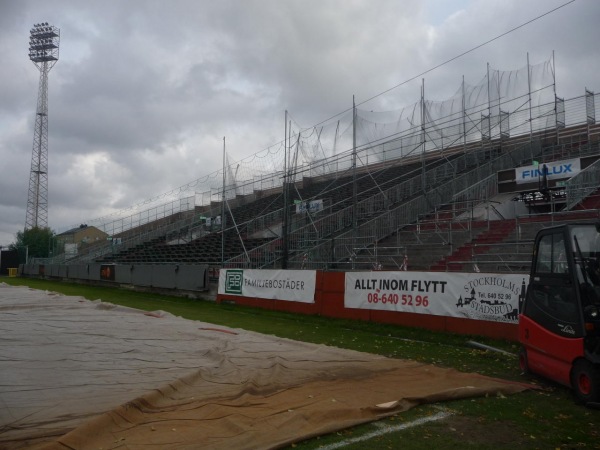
{"x":43,"y":52}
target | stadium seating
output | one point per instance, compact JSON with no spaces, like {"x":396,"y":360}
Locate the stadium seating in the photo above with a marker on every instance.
{"x":256,"y":222}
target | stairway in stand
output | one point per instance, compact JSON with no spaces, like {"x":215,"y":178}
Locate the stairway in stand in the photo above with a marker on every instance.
{"x":592,"y":201}
{"x":461,"y":258}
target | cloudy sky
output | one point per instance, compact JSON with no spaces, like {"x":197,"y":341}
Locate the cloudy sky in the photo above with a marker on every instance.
{"x":145,"y":91}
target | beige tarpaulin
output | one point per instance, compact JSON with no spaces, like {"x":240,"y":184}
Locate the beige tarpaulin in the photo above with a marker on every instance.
{"x":87,"y":375}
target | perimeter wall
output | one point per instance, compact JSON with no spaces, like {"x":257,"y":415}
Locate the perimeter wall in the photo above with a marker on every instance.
{"x":329,"y":294}
{"x":329,"y":301}
{"x":187,"y":278}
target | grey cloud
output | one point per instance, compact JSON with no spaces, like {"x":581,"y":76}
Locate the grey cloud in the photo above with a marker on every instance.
{"x":145,"y":90}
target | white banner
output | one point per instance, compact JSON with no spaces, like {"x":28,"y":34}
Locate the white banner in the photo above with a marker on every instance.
{"x":311,"y":206}
{"x":554,"y":170}
{"x":491,"y":297}
{"x":292,"y":285}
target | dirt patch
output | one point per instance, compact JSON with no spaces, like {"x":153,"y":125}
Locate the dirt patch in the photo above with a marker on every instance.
{"x":477,"y":431}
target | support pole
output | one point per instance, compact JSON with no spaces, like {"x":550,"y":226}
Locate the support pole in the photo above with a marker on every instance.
{"x":464,"y":115}
{"x":423,"y":179}
{"x":530,"y":115}
{"x":489,"y":103}
{"x":284,"y":224}
{"x":223,"y":211}
{"x":354,"y":186}
{"x":555,"y":98}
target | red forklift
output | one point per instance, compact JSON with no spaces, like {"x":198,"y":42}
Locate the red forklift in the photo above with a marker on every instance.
{"x":559,"y":320}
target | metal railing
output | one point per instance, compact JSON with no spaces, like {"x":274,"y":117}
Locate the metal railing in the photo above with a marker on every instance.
{"x":156,"y":230}
{"x":338,"y":225}
{"x":408,"y":212}
{"x":583,"y":184}
{"x":382,"y":207}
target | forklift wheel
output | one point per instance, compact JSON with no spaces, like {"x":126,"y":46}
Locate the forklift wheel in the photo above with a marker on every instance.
{"x":523,"y":363}
{"x":585,"y":379}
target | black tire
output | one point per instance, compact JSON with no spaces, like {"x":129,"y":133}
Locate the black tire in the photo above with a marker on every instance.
{"x":585,"y":380}
{"x":523,"y":362}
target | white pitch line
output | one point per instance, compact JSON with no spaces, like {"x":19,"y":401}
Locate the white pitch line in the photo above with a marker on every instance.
{"x":385,"y":429}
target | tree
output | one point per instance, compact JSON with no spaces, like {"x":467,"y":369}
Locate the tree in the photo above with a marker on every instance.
{"x":35,"y":240}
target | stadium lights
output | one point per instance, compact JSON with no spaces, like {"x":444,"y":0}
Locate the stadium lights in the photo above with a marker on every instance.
{"x":43,"y":43}
{"x":43,"y":52}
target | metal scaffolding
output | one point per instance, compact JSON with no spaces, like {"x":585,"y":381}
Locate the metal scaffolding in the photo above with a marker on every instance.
{"x":43,"y":52}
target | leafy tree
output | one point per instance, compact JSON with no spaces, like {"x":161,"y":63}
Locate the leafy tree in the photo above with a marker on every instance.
{"x":36,"y":240}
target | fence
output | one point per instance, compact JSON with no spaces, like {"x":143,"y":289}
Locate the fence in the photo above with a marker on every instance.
{"x":173,"y":276}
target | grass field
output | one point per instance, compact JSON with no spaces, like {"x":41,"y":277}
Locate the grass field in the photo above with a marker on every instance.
{"x":545,"y":418}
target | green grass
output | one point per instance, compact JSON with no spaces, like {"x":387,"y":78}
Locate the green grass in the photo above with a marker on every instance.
{"x":544,"y":418}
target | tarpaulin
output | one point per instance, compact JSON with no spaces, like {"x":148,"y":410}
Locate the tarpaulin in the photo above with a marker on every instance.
{"x":80,"y":374}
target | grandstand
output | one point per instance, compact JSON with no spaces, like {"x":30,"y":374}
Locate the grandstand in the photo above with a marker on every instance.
{"x":428,"y":187}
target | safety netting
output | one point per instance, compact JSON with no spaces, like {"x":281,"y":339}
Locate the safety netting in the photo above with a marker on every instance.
{"x":80,"y":374}
{"x":502,"y":103}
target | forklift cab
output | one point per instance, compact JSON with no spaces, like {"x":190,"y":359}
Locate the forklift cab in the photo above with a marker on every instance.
{"x":559,"y":321}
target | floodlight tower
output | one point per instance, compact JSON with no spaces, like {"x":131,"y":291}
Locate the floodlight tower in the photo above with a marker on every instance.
{"x":43,"y":52}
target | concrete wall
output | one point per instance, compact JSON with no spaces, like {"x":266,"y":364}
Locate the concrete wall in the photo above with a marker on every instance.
{"x":175,"y":277}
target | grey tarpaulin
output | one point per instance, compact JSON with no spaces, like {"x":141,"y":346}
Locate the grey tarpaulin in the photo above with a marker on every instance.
{"x":87,"y":374}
